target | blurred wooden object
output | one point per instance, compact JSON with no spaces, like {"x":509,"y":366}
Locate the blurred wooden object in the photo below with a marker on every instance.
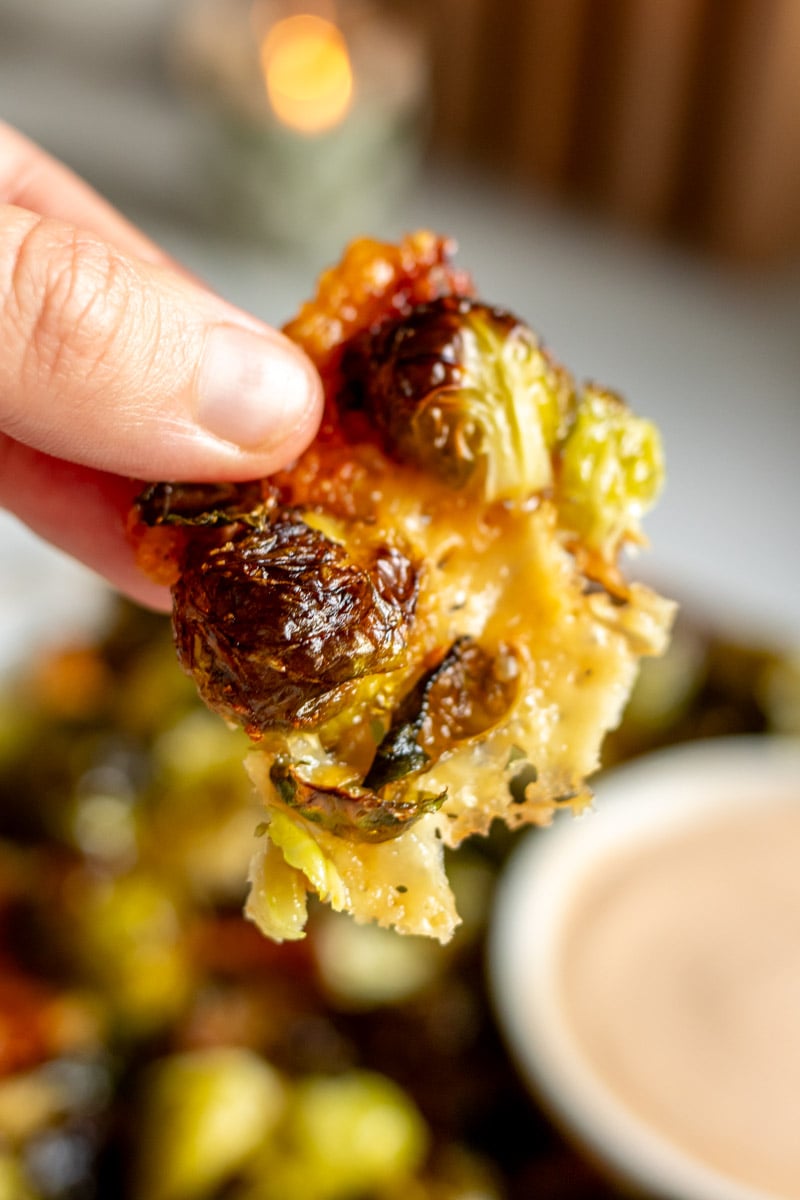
{"x":755,"y":186}
{"x":678,"y":115}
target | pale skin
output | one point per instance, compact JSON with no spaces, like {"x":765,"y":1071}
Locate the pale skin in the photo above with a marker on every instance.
{"x":116,"y":366}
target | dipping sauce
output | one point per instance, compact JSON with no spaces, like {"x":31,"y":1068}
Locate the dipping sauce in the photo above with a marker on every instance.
{"x":679,"y":976}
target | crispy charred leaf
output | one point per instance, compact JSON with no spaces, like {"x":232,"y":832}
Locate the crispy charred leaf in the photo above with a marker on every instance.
{"x":463,"y":390}
{"x":205,"y":504}
{"x":354,"y":813}
{"x":275,"y":623}
{"x":399,"y":753}
{"x":167,"y":517}
{"x":468,"y":692}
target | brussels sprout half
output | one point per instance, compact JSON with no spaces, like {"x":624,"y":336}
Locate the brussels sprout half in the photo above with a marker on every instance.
{"x":611,"y":471}
{"x":464,"y":391}
{"x":274,"y":619}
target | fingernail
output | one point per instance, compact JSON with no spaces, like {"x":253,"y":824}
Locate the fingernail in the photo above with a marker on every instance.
{"x":251,"y":390}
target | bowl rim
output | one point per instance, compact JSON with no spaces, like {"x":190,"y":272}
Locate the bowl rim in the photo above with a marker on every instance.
{"x":688,"y":784}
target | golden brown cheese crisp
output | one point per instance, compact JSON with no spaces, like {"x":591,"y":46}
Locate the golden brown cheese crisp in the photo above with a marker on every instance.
{"x":422,"y":624}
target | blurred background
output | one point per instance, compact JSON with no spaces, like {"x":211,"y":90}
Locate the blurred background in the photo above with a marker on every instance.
{"x":625,"y":175}
{"x":679,"y":117}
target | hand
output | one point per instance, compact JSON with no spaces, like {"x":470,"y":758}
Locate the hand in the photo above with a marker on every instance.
{"x":116,"y":367}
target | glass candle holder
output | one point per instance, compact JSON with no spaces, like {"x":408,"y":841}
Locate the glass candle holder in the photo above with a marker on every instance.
{"x":318,"y":111}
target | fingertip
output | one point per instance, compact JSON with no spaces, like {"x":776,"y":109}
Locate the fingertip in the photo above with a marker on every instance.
{"x":126,"y":368}
{"x":257,"y":390}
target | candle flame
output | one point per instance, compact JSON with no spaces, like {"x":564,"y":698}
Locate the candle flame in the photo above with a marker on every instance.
{"x":307,"y":72}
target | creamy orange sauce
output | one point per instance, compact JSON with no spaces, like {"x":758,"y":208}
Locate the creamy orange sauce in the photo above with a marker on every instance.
{"x":680,"y":977}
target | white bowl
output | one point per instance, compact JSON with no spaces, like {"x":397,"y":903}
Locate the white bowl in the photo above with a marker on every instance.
{"x":657,"y":797}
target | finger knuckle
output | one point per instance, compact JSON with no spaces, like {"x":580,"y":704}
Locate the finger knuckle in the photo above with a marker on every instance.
{"x":68,"y":294}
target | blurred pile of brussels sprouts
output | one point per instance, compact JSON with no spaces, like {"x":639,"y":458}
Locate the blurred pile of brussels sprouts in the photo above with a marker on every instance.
{"x":153,"y":1046}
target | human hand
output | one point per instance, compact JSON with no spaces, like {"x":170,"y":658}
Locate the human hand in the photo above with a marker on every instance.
{"x":116,"y":367}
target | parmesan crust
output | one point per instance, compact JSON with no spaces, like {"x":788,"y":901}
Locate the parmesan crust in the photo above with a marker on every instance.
{"x":506,"y":579}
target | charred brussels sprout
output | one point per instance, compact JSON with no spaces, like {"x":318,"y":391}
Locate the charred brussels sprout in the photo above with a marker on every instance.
{"x":462,"y":390}
{"x":465,"y":695}
{"x":275,"y":623}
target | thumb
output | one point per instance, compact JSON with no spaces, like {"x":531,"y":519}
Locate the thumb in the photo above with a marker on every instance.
{"x":127,"y":367}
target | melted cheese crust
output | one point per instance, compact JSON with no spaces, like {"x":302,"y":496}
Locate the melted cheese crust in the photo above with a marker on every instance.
{"x":503,"y":575}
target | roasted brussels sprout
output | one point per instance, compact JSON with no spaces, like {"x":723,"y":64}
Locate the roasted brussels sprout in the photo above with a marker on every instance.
{"x":275,"y":620}
{"x":610,"y":471}
{"x":463,"y":391}
{"x":468,"y":692}
{"x":422,"y":623}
